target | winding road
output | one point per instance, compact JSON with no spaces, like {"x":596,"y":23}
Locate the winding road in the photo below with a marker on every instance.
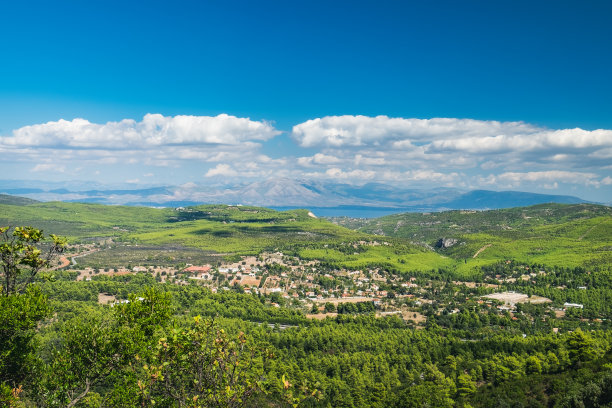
{"x":481,"y":249}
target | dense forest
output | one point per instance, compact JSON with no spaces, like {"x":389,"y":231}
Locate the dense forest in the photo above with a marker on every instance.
{"x":185,"y":346}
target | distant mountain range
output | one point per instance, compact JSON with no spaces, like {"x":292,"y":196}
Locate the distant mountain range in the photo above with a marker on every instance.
{"x":286,"y":193}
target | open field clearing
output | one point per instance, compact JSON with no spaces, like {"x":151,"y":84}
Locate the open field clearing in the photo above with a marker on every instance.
{"x":119,"y":255}
{"x":512,"y":298}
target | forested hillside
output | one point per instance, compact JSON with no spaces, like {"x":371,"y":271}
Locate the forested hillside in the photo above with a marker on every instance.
{"x":553,"y":234}
{"x":430,"y":226}
{"x":231,"y":306}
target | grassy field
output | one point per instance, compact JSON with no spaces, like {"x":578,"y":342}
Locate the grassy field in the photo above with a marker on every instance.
{"x":83,"y":221}
{"x":574,"y":243}
{"x":126,"y":255}
{"x":213,"y":229}
{"x":551,"y":234}
{"x":396,"y":255}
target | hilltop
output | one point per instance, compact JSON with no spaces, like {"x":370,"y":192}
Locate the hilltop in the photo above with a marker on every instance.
{"x":460,"y":241}
{"x":14,"y":200}
{"x":81,"y":221}
{"x":547,"y":233}
{"x":215,"y":231}
{"x":430,"y":225}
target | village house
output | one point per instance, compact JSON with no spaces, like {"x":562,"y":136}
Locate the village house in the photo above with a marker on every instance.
{"x":574,"y":305}
{"x":198,"y":269}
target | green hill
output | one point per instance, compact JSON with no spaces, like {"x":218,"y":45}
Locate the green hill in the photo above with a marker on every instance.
{"x":217,"y":230}
{"x":428,"y":227}
{"x":553,"y":234}
{"x":165,"y":225}
{"x":14,"y":200}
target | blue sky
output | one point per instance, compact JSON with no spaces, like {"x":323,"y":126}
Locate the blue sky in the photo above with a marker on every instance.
{"x":339,"y":91}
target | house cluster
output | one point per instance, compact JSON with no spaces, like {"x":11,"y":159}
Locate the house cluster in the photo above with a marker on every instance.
{"x":293,"y":278}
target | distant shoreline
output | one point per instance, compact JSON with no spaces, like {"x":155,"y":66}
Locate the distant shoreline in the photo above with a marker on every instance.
{"x":352,"y":211}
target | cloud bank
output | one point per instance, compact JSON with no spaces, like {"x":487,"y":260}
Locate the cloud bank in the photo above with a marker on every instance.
{"x":456,"y":152}
{"x":357,"y":149}
{"x":446,"y":135}
{"x":347,"y":130}
{"x":153,"y":130}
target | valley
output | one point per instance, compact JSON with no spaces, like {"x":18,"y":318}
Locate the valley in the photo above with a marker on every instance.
{"x":306,"y":261}
{"x":460,"y":303}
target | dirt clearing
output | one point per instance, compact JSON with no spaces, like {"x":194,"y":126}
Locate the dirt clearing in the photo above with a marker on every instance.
{"x":512,"y":298}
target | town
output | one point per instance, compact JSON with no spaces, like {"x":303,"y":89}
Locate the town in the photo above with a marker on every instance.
{"x":322,"y":290}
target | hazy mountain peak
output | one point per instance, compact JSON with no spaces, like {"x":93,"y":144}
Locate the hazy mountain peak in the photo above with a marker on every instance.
{"x":286,"y":192}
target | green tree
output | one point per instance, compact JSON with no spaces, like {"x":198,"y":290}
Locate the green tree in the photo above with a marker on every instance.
{"x":583,"y":347}
{"x":19,"y":318}
{"x":435,"y":390}
{"x":201,"y":366}
{"x":21,"y":258}
{"x":329,"y":307}
{"x":22,"y":306}
{"x":465,"y":385}
{"x":96,"y":348}
{"x":533,"y":365}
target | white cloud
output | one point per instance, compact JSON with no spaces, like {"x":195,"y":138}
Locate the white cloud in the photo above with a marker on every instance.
{"x":318,"y":158}
{"x":602,"y":154}
{"x":156,"y":141}
{"x":559,"y":176}
{"x":421,"y":177}
{"x":107,"y":160}
{"x":557,"y":140}
{"x":347,"y":130}
{"x":560,"y":157}
{"x":552,"y":186}
{"x":488,"y":165}
{"x":263,"y":159}
{"x":339,"y":174}
{"x":369,"y":161}
{"x":304,"y":161}
{"x":607,"y":181}
{"x":354,"y":149}
{"x":430,"y":175}
{"x":153,"y":130}
{"x":441,"y":139}
{"x":48,"y":168}
{"x":223,"y":170}
{"x":456,"y":152}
